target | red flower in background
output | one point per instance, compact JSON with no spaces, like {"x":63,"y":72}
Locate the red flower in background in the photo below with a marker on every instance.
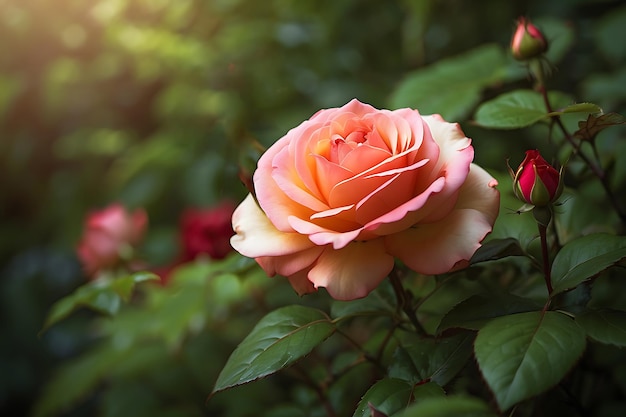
{"x":203,"y":231}
{"x":207,"y":231}
{"x":109,"y":237}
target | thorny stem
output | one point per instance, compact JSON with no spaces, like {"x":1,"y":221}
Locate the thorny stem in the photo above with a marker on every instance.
{"x":597,"y":171}
{"x":404,"y":302}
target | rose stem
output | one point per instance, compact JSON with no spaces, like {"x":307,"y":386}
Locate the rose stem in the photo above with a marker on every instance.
{"x":544,"y":253}
{"x":598,"y":172}
{"x":403,"y":301}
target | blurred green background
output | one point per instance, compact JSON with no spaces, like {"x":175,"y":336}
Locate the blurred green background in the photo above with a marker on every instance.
{"x":156,"y":103}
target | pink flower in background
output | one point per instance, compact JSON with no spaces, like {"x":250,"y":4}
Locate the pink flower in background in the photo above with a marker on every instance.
{"x":109,"y":236}
{"x":347,"y":191}
{"x":207,"y":231}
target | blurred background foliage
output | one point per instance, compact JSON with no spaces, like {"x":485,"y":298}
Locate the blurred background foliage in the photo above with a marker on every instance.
{"x":157,"y":103}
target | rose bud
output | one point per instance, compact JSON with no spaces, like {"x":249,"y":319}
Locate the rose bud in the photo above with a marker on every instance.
{"x":109,"y":237}
{"x":528,"y":41}
{"x":536,"y":182}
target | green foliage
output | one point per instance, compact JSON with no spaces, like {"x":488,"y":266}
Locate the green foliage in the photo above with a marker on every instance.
{"x":432,"y":360}
{"x":584,"y":258}
{"x":104,"y":295}
{"x":452,"y":87}
{"x":448,"y":407}
{"x":387,"y":396}
{"x":605,"y":326}
{"x":522,"y":355}
{"x":517,"y":109}
{"x":278,"y":340}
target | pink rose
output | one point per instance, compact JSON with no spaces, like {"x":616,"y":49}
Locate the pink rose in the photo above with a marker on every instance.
{"x":352,"y":188}
{"x":109,"y":235}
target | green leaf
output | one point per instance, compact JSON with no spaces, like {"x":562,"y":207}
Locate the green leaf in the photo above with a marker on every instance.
{"x":605,"y":326}
{"x":102,"y":295}
{"x":124,"y":286}
{"x":582,"y":108}
{"x":497,"y":249}
{"x":585,"y":257}
{"x":525,"y":354}
{"x":388,"y":395}
{"x":450,"y":406}
{"x":278,"y":340}
{"x":516,"y":109}
{"x":453,"y":86}
{"x":381,"y":301}
{"x":479,"y":309}
{"x":437,"y":360}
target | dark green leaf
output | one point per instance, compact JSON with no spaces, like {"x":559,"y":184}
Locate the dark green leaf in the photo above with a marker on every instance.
{"x":452,"y":87}
{"x":585,"y":257}
{"x":589,"y":129}
{"x":380,"y":301}
{"x":387,"y":395}
{"x":450,"y":406}
{"x":605,"y":326}
{"x":278,"y":340}
{"x":525,"y":354}
{"x":497,"y":249}
{"x":516,"y":109}
{"x":103,"y":295}
{"x":437,"y":360}
{"x":479,"y":309}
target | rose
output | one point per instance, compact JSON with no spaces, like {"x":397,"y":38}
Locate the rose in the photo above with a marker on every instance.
{"x":348,"y":190}
{"x":536,"y":182}
{"x":207,"y":231}
{"x":528,"y":41}
{"x":202,"y":231}
{"x":109,"y":236}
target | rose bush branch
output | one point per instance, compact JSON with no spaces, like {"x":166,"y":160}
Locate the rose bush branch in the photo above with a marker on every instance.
{"x":529,"y":45}
{"x":404,"y":299}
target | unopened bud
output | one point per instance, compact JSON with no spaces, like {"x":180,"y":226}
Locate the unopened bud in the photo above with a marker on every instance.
{"x":536,"y":182}
{"x":528,"y":41}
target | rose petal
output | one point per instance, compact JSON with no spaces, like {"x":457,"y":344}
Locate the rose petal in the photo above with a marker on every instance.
{"x":300,"y":283}
{"x":435,"y":248}
{"x":479,"y":193}
{"x":288,"y":265}
{"x":324,"y":236}
{"x":352,"y":272}
{"x":256,"y":235}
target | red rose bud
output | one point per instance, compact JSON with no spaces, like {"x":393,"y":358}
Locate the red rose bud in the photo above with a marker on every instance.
{"x":528,"y":41}
{"x":536,"y":182}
